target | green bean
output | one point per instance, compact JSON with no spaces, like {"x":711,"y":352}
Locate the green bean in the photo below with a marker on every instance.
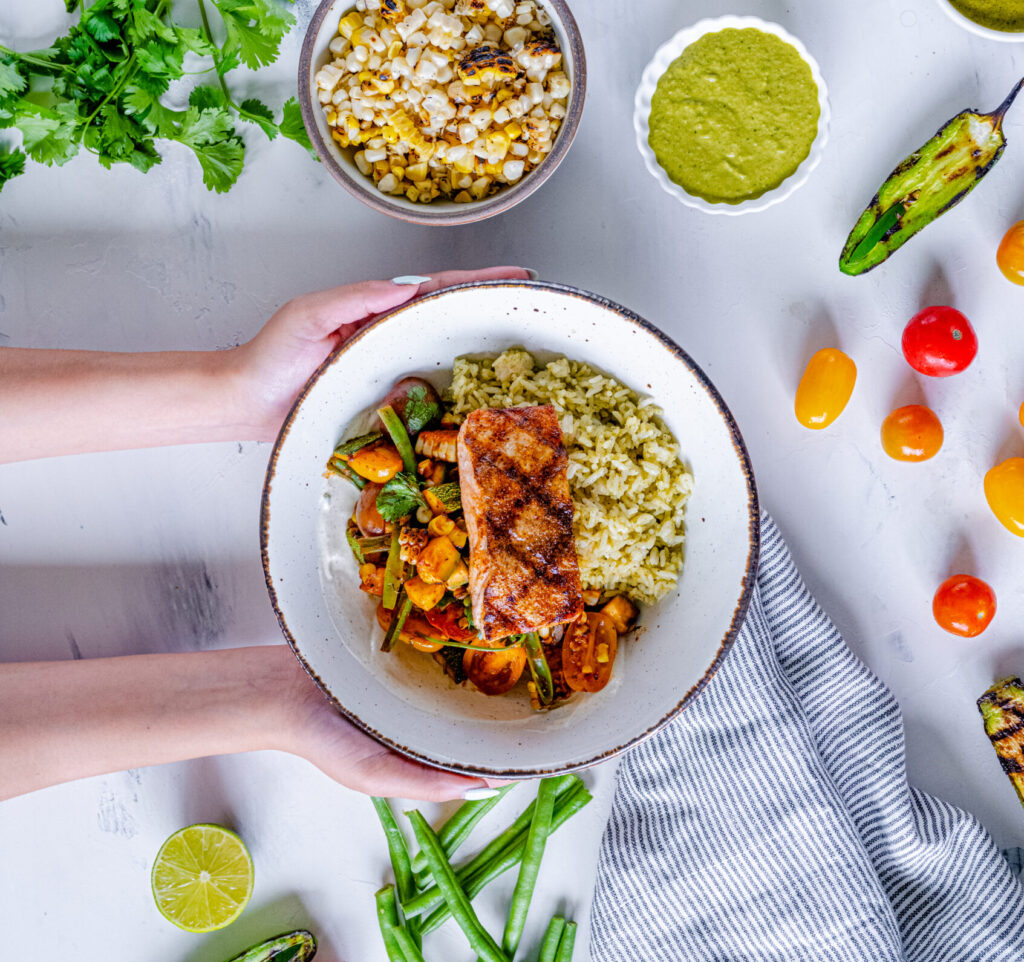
{"x":403,"y":606}
{"x":539,"y":668}
{"x":566,"y":943}
{"x":529,"y":867}
{"x":400,"y":436}
{"x":553,"y":935}
{"x":343,"y":470}
{"x":484,"y":875}
{"x":392,"y":571}
{"x":457,"y":829}
{"x":400,"y":864}
{"x":461,"y":908}
{"x":387,"y":919}
{"x":407,"y":944}
{"x":432,"y":897}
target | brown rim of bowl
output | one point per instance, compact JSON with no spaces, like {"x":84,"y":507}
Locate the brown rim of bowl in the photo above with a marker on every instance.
{"x":746,"y":584}
{"x":464,"y":213}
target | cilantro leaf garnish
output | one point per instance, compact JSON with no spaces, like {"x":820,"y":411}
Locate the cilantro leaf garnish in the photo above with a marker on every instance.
{"x":12,"y":163}
{"x":419,"y":412}
{"x":99,"y":86}
{"x":399,"y":497}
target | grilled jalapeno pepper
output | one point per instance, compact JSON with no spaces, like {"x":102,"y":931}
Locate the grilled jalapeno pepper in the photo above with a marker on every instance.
{"x":927,"y":184}
{"x":1002,"y":707}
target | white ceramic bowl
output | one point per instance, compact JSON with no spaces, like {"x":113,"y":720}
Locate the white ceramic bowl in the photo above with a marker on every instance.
{"x":444,"y":213}
{"x":402,"y":698}
{"x":977,"y":29}
{"x":668,"y":52}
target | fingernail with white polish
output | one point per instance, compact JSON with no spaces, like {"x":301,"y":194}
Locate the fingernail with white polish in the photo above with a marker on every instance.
{"x":531,"y":273}
{"x":479,"y":794}
{"x":410,"y":279}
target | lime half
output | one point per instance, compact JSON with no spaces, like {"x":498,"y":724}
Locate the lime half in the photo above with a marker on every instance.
{"x":202,"y":877}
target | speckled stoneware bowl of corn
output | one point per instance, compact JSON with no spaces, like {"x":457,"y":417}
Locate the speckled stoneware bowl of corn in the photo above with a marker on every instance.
{"x":344,"y":159}
{"x":402,"y":698}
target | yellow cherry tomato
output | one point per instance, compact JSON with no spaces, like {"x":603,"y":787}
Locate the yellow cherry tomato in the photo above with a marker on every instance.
{"x":824,"y":389}
{"x":912,"y":433}
{"x":1010,"y":256}
{"x":1020,"y":415}
{"x":1004,"y":490}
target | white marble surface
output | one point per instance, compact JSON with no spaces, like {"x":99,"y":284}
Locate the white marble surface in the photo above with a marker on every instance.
{"x":158,"y":550}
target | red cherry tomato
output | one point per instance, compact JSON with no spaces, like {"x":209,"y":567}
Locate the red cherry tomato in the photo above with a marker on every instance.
{"x":452,"y":621}
{"x":939,"y":341}
{"x":964,"y":605}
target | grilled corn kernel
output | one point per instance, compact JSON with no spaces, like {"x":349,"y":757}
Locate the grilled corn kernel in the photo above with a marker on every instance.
{"x":441,"y":525}
{"x":350,"y":23}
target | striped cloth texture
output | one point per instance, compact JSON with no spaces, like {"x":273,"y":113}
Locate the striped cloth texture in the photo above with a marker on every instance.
{"x":772,"y":820}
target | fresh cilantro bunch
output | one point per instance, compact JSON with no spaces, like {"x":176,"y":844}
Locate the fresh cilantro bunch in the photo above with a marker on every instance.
{"x":99,"y":87}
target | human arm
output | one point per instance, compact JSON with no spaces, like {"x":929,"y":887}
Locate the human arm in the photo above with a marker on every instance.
{"x":72,"y":402}
{"x":64,"y":720}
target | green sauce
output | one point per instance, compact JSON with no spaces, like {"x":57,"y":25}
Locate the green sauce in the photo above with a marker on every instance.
{"x":1006,"y":15}
{"x":734,"y":115}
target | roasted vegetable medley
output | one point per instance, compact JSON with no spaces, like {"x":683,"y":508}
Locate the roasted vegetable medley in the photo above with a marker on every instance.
{"x":408,"y":534}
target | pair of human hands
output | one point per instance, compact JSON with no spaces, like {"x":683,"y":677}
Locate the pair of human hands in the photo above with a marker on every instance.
{"x":270,"y":370}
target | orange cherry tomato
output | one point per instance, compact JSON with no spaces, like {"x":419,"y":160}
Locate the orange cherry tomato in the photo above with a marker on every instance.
{"x":495,"y":672}
{"x":1004,"y":490}
{"x":825,"y":388}
{"x":912,"y":433}
{"x":588,"y":652}
{"x":1020,"y":415}
{"x":964,"y":605}
{"x":1010,"y":256}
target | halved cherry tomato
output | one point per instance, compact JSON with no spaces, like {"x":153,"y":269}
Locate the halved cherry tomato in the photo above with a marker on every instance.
{"x":588,"y":652}
{"x":416,"y":631}
{"x":939,"y":341}
{"x":1004,"y":490}
{"x":912,"y":433}
{"x":825,"y":388}
{"x":447,"y":620}
{"x":368,"y":518}
{"x":964,"y":605}
{"x":494,"y":672}
{"x":1010,"y":256}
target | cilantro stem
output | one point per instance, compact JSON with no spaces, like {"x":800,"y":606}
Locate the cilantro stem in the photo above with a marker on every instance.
{"x":216,"y":56}
{"x":45,"y":63}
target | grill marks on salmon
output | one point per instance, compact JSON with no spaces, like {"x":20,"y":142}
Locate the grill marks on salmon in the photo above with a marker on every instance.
{"x":523,"y":571}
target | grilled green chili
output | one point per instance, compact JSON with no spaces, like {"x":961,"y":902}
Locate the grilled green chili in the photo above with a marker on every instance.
{"x":539,"y":668}
{"x":927,"y":184}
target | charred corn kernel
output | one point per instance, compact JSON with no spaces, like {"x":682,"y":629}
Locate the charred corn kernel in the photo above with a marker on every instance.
{"x":423,"y":595}
{"x":390,"y":135}
{"x":397,"y":171}
{"x":458,"y":537}
{"x":340,"y":138}
{"x":493,"y":170}
{"x":417,"y":171}
{"x":544,"y":632}
{"x":513,"y":130}
{"x":412,"y":193}
{"x":462,"y":197}
{"x":380,"y":167}
{"x":362,"y":163}
{"x":395,"y":48}
{"x":365,"y":76}
{"x":498,"y":143}
{"x":376,"y":462}
{"x":591,"y":596}
{"x":424,"y":467}
{"x":332,"y":117}
{"x":506,"y":93}
{"x":350,"y":23}
{"x":441,"y":525}
{"x":465,"y":164}
{"x":480,"y":187}
{"x":423,"y":515}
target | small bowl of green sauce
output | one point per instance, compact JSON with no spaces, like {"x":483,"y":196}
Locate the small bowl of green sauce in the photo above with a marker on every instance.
{"x":994,"y":19}
{"x":731,"y":115}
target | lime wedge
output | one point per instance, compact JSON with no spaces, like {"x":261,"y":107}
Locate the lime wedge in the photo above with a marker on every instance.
{"x":202,"y":878}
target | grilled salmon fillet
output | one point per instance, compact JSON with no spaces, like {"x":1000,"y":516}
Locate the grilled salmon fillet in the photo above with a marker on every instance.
{"x":523,"y":570}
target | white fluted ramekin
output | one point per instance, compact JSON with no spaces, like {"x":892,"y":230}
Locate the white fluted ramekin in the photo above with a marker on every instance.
{"x":667,"y":53}
{"x":977,"y":29}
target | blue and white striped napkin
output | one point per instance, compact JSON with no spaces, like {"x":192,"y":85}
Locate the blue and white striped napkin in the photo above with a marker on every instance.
{"x":772,"y":820}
